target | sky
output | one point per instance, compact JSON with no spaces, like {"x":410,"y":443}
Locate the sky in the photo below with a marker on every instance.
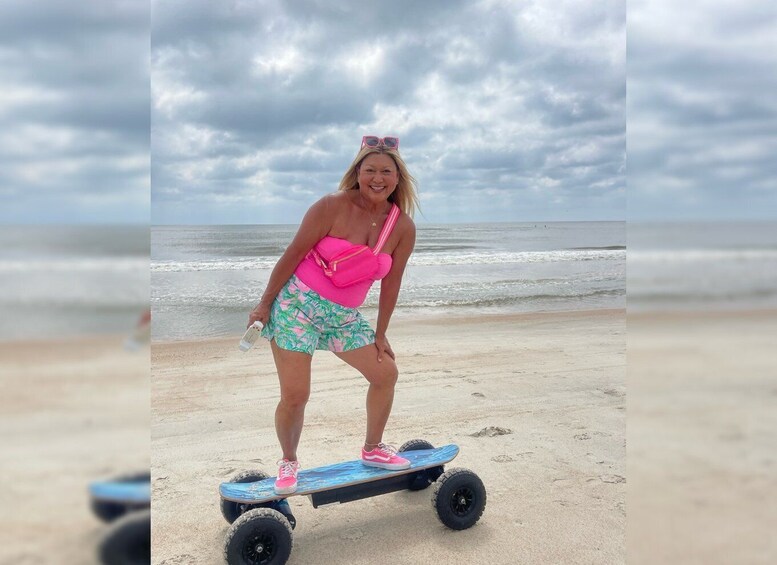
{"x":506,"y":111}
{"x":702,"y":110}
{"x":117,"y":111}
{"x":74,"y":112}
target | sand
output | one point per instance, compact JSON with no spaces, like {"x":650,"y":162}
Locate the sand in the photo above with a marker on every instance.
{"x":556,"y":482}
{"x":702,"y":427}
{"x":702,"y":431}
{"x":71,"y":412}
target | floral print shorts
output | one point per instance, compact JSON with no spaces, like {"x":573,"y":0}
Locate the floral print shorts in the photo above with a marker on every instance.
{"x":302,"y":320}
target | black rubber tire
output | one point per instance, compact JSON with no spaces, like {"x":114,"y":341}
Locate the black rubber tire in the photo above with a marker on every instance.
{"x":110,"y":511}
{"x":233,"y":510}
{"x":423,"y":479}
{"x":128,"y":541}
{"x":261,"y":536}
{"x":415,"y":444}
{"x":459,"y":497}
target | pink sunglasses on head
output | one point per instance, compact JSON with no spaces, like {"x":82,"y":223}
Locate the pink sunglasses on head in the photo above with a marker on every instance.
{"x":375,"y":141}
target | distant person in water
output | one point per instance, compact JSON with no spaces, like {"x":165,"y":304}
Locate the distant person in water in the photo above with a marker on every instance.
{"x":347,"y":240}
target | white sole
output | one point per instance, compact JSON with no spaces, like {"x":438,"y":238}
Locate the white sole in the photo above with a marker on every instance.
{"x":288,"y":490}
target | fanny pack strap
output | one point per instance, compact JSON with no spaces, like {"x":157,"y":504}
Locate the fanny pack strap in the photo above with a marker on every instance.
{"x":320,"y":260}
{"x":388,"y":227}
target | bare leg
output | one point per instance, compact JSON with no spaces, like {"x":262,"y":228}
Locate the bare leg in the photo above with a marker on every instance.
{"x":380,"y":396}
{"x":294,"y":376}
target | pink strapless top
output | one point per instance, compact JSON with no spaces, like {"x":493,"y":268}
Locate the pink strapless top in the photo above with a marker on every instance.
{"x":351,"y":296}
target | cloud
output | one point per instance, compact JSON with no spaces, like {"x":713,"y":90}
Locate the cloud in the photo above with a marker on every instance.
{"x":701,"y":112}
{"x":268,"y":100}
{"x":74,"y":111}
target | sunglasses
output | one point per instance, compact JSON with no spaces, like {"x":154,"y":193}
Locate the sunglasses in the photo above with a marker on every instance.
{"x":375,"y":141}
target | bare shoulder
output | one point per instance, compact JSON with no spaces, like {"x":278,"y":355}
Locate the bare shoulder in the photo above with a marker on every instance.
{"x":328,"y":206}
{"x":338,"y":201}
{"x":405,"y":222}
{"x":406,"y":228}
{"x":339,"y":197}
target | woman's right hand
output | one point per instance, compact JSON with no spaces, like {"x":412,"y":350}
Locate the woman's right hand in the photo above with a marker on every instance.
{"x":261,"y":313}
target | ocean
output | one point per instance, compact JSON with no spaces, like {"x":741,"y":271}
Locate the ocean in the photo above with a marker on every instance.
{"x":78,"y":280}
{"x":702,"y":266}
{"x":205,"y":279}
{"x":68,"y":281}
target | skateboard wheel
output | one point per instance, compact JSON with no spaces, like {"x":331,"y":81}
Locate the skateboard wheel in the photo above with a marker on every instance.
{"x":260,"y":536}
{"x":233,"y":510}
{"x":459,"y":497}
{"x":425,"y":478}
{"x":128,"y":541}
{"x":415,"y":444}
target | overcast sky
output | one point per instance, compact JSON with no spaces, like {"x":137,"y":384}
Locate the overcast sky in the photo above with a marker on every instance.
{"x":74,"y":111}
{"x":702,"y":110}
{"x":505,"y":110}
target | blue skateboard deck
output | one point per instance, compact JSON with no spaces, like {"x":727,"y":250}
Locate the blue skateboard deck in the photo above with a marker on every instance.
{"x":130,"y":492}
{"x":336,"y":476}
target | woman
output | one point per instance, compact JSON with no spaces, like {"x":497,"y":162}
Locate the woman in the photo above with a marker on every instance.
{"x":304,"y":308}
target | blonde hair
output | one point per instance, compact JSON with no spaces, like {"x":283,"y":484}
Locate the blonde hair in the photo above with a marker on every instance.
{"x":406,"y":194}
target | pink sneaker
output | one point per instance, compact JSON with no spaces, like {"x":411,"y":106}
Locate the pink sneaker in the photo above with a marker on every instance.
{"x":286,"y":483}
{"x":385,"y":457}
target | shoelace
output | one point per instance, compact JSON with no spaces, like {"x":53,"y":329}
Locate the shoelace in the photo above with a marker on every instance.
{"x":386,"y":449}
{"x":287,"y":469}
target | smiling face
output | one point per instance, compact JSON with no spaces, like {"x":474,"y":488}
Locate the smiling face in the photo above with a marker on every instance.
{"x":378,"y":177}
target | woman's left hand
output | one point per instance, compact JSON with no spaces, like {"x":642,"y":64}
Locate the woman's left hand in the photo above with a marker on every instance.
{"x":382,"y":343}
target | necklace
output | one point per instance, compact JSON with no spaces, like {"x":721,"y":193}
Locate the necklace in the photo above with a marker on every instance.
{"x":372,"y":218}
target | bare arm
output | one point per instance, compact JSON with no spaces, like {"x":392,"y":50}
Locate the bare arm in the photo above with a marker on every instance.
{"x":315,"y":225}
{"x":389,"y":289}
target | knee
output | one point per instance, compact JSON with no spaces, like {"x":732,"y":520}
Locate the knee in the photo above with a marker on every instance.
{"x":387,"y":375}
{"x":393,"y":374}
{"x":295,"y":400}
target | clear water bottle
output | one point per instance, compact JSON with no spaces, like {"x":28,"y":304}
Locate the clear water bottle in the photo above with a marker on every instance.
{"x":251,"y":335}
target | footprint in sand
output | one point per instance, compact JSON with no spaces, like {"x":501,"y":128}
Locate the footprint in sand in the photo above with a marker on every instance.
{"x":582,"y":436}
{"x":492,"y":431}
{"x":182,"y":559}
{"x":352,"y":535}
{"x":159,"y":488}
{"x":612,"y":479}
{"x":479,"y":394}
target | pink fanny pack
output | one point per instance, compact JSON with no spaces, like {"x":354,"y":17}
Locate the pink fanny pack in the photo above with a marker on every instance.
{"x":359,"y":262}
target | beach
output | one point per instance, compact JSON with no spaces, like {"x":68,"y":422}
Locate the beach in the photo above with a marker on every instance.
{"x":547,"y":388}
{"x":73,"y":411}
{"x":701,"y":435}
